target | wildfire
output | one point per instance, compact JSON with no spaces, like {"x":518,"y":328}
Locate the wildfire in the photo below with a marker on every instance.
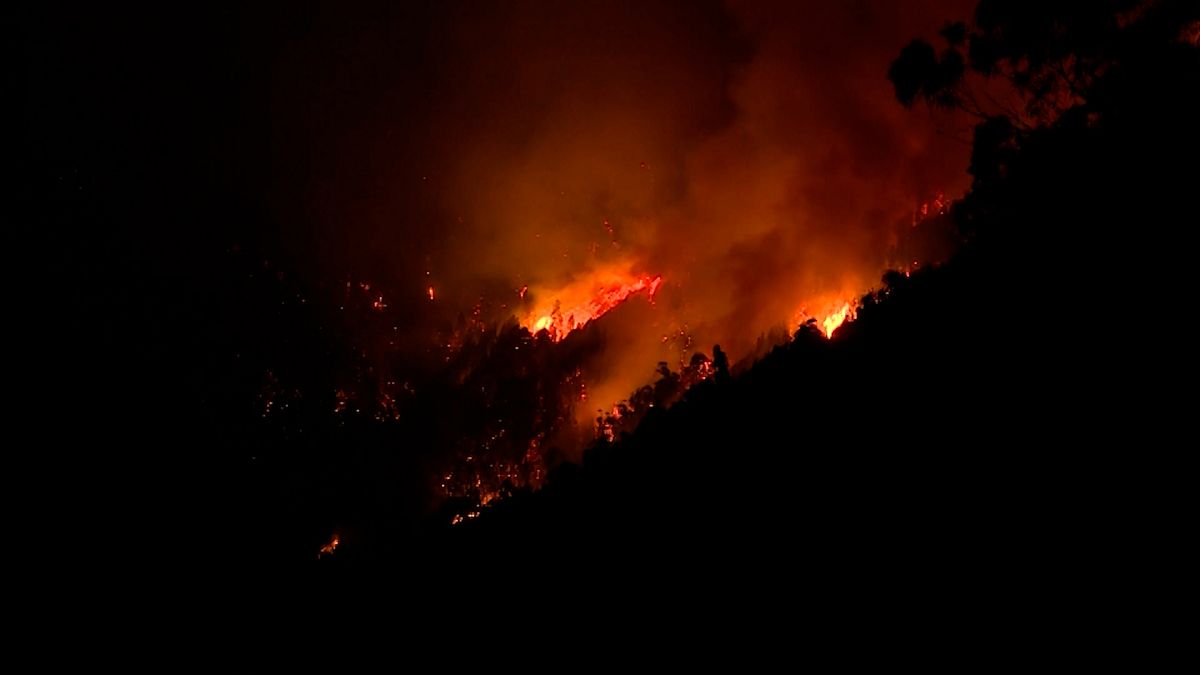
{"x":458,"y":518}
{"x":329,"y":548}
{"x":582,"y":301}
{"x":831,"y":322}
{"x":836,"y":313}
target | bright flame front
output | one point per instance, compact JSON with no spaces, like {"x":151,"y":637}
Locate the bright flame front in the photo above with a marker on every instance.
{"x":833,"y":314}
{"x":561,"y":311}
{"x":836,"y":319}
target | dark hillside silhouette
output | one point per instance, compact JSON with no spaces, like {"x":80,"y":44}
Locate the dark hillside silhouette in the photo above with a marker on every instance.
{"x":974,"y":411}
{"x":996,"y":408}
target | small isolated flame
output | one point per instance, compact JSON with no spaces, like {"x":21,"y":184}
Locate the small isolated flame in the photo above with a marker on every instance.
{"x":561,"y":311}
{"x":329,"y":548}
{"x":430,"y":290}
{"x":831,"y":322}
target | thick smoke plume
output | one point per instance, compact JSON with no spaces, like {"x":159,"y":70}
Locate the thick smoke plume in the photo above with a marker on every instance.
{"x":751,"y":153}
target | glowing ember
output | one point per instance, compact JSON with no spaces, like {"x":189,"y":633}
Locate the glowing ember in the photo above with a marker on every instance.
{"x":430,"y":292}
{"x":831,"y":322}
{"x":458,"y":518}
{"x":329,"y":548}
{"x":574,"y":306}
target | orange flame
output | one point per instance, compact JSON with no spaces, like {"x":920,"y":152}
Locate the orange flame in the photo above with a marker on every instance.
{"x":329,"y":548}
{"x":574,"y":305}
{"x":833,"y":321}
{"x":836,"y":313}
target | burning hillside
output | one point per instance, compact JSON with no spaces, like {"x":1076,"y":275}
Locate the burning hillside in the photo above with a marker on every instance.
{"x":500,"y":233}
{"x":369,"y":270}
{"x":584,"y":300}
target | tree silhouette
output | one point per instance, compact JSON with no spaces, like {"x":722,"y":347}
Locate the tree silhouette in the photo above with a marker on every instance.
{"x":720,"y":365}
{"x":1051,"y":54}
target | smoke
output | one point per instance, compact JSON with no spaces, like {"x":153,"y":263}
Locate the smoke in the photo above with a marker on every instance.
{"x":751,"y":153}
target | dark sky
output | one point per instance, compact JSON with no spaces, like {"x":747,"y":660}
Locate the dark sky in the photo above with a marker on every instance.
{"x":750,"y":152}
